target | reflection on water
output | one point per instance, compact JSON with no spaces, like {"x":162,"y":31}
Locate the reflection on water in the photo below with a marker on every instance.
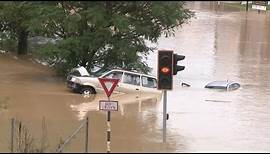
{"x":83,"y":105}
{"x":221,"y":45}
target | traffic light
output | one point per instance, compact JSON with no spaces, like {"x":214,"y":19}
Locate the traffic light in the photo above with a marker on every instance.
{"x":165,"y":77}
{"x":176,"y":67}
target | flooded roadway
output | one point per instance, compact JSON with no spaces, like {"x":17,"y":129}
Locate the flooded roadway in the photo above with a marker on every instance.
{"x":219,"y":44}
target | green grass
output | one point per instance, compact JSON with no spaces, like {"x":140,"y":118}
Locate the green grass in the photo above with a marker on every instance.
{"x":242,"y":7}
{"x":237,"y":5}
{"x":268,"y":7}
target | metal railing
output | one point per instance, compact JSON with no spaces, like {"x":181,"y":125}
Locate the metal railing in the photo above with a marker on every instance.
{"x":22,"y":140}
{"x":68,"y":139}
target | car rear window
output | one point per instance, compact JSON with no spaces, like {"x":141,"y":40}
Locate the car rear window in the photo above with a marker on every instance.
{"x":234,"y":86}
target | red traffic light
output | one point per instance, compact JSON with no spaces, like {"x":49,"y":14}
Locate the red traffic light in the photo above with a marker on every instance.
{"x":165,"y":70}
{"x":165,"y":76}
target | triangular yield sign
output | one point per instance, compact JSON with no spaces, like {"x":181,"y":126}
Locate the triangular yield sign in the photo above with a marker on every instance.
{"x":108,"y":85}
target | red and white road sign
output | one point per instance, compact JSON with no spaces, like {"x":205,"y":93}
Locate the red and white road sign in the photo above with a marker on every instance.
{"x":108,"y":85}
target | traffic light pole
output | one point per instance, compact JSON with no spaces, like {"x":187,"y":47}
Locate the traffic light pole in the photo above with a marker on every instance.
{"x":164,"y":114}
{"x":247,"y":6}
{"x":167,"y":67}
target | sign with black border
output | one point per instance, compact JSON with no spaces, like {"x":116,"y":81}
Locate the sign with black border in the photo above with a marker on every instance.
{"x":107,"y":105}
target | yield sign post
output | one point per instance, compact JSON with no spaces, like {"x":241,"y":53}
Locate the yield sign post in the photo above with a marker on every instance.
{"x":108,"y":85}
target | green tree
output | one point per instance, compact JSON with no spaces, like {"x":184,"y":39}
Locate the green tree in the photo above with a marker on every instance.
{"x":16,"y":20}
{"x":106,"y":33}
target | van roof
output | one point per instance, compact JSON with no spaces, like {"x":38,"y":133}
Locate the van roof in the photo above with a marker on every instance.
{"x":132,"y":72}
{"x":84,"y":72}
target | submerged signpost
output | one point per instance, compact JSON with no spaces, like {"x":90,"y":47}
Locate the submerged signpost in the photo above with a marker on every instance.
{"x":108,"y":105}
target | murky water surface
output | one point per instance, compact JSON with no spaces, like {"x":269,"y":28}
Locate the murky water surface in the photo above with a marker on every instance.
{"x":219,"y":44}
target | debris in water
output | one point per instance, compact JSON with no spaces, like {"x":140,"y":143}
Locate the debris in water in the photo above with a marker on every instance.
{"x":209,"y":100}
{"x":185,"y":84}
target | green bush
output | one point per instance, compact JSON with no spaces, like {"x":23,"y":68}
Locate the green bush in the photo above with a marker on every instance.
{"x":9,"y":45}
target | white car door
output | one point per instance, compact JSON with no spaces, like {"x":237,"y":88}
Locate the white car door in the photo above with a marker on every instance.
{"x":130,"y":83}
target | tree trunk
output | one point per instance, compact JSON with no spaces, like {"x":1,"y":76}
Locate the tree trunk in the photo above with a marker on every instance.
{"x":247,"y":6}
{"x":22,"y":42}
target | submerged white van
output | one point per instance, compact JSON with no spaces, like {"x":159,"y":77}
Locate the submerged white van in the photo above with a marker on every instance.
{"x":79,"y":80}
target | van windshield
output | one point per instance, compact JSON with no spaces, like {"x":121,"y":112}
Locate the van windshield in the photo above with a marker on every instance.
{"x":99,"y":72}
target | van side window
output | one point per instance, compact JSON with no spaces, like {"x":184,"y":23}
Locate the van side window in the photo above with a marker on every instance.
{"x":131,"y":79}
{"x":114,"y":75}
{"x":149,"y":82}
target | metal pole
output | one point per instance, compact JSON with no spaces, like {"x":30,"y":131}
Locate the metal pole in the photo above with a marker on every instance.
{"x":12,"y":134}
{"x":108,"y":130}
{"x":164,"y":114}
{"x":247,"y":6}
{"x":86,"y":135}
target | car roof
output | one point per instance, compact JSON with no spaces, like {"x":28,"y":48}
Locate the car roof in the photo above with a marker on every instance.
{"x":132,"y":72}
{"x":220,"y":84}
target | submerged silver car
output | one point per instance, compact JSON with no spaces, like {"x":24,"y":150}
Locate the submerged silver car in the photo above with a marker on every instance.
{"x":130,"y":82}
{"x":226,"y":85}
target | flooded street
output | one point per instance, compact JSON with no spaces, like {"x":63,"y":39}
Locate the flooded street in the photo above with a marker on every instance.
{"x":219,"y":44}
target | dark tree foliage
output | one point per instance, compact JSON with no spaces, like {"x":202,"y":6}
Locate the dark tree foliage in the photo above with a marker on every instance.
{"x":103,"y":33}
{"x":16,"y":21}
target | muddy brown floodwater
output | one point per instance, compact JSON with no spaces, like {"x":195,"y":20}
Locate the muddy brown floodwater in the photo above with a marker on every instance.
{"x":220,"y":43}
